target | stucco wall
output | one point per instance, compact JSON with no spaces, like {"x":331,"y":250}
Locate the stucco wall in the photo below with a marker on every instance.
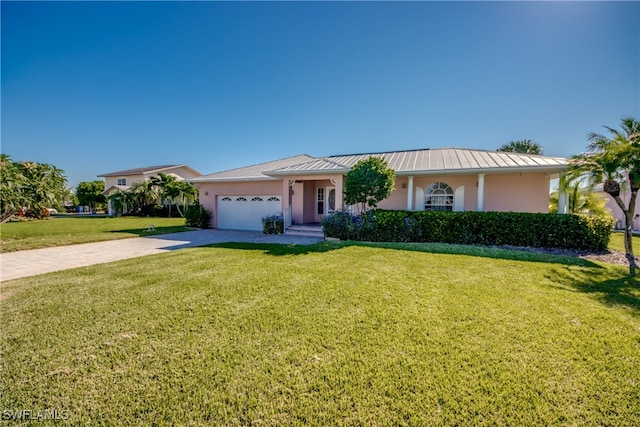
{"x":526,"y":192}
{"x":518,"y":192}
{"x":398,"y":199}
{"x":110,"y":181}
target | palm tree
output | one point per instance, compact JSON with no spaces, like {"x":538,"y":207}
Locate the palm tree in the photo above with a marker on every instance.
{"x":121,"y":201}
{"x":582,"y":200}
{"x":144,"y":194}
{"x":45,"y":186}
{"x":188,"y":194}
{"x":524,"y":146}
{"x":615,"y":162}
{"x":12,"y":182}
{"x":166,"y":188}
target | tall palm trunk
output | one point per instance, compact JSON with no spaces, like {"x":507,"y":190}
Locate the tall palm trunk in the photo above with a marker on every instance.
{"x":628,"y":229}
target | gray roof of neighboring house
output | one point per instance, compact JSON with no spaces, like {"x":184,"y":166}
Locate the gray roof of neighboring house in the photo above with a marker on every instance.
{"x":109,"y":190}
{"x":146,"y":170}
{"x":408,"y":162}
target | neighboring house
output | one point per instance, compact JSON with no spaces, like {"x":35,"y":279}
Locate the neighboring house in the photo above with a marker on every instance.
{"x":306,"y":189}
{"x":617,"y":213}
{"x":123,"y":180}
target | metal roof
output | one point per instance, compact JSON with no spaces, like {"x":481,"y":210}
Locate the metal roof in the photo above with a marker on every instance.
{"x":430,"y":161}
{"x":254,"y":172}
{"x":409,"y":162}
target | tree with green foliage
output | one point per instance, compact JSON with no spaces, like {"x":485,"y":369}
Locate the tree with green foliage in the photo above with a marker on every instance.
{"x":614,"y":161}
{"x":368,"y":182}
{"x":172,"y":191}
{"x":89,"y":193}
{"x":523,"y":146}
{"x":31,"y":185}
{"x":144,"y":195}
{"x":163,"y":185}
{"x":12,"y":181}
{"x":121,"y":201}
{"x":582,"y":199}
{"x":187,"y":195}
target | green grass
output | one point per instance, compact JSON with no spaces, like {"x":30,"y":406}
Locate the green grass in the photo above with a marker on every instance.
{"x":329,"y":334}
{"x":67,"y":230}
{"x":617,"y":243}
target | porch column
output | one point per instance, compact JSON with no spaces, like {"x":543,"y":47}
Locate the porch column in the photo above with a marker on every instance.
{"x":410,"y":194}
{"x":563,"y":199}
{"x":339,"y":183}
{"x":480,"y":192}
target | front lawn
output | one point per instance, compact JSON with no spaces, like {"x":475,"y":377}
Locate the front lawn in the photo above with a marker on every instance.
{"x":617,"y":243}
{"x":328,"y":334}
{"x":66,"y":230}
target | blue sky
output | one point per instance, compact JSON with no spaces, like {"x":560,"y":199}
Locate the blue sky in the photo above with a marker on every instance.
{"x":96,"y":87}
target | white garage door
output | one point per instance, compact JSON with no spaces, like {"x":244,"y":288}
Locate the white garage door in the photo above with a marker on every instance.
{"x":246,"y":212}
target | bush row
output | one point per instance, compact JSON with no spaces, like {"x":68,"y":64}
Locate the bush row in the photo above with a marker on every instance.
{"x":197,"y":215}
{"x":273,"y":224}
{"x":473,"y":228}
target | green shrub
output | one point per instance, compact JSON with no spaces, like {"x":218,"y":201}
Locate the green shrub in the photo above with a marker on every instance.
{"x":474,"y":228}
{"x":197,"y":216}
{"x":273,"y":224}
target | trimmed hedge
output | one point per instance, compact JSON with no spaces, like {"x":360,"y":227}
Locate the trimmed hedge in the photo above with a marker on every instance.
{"x":473,"y":228}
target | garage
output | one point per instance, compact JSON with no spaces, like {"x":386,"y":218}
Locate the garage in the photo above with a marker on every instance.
{"x":246,"y":212}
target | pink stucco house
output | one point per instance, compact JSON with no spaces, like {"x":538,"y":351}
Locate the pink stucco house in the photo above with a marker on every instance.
{"x":305,"y":188}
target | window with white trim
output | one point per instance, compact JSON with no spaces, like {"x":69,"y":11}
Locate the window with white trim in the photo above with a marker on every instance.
{"x":122,"y":181}
{"x":438,"y":197}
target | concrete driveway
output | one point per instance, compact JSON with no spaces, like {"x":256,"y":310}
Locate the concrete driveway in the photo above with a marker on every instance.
{"x":14,"y":265}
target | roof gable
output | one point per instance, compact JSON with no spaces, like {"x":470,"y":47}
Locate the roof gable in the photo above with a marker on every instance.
{"x":254,"y":172}
{"x":148,"y":170}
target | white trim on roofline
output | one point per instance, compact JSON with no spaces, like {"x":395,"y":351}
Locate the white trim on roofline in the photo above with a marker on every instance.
{"x":229,"y":179}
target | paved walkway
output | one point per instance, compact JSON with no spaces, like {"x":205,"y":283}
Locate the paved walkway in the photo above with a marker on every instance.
{"x":14,"y":265}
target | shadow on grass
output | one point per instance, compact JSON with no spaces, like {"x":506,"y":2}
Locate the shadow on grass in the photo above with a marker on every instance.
{"x":618,"y":288}
{"x":612,"y":286}
{"x":435,"y":248}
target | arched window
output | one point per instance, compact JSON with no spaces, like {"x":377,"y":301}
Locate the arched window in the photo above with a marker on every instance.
{"x":438,"y":197}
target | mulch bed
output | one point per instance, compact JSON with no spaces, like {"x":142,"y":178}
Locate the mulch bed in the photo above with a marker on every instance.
{"x":611,"y":257}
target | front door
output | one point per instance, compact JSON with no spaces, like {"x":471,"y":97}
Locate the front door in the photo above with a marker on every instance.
{"x":325,"y":202}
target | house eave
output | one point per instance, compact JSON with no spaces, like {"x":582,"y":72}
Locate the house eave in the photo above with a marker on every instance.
{"x":467,"y":171}
{"x":229,"y":179}
{"x":276,"y":174}
{"x":471,"y":171}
